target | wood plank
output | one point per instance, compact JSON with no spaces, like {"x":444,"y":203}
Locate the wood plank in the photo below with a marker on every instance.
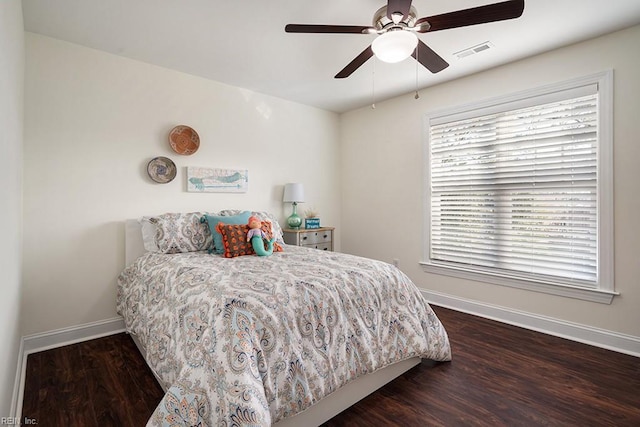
{"x":116,"y":402}
{"x":62,"y":394}
{"x":141,"y":376}
{"x":31,"y":401}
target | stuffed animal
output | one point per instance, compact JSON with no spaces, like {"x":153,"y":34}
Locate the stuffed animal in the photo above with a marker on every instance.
{"x":258,"y":237}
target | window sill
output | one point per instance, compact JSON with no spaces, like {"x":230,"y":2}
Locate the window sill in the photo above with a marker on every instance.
{"x":593,"y":295}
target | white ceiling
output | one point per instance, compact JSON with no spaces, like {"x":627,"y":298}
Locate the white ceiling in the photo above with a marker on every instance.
{"x":243,"y":43}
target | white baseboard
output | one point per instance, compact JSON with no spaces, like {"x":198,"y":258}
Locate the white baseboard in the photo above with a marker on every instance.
{"x":610,"y":340}
{"x":53,"y":339}
{"x":65,"y":336}
{"x":18,"y":385}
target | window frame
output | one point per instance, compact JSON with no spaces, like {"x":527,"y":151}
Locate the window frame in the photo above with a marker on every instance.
{"x":604,"y":290}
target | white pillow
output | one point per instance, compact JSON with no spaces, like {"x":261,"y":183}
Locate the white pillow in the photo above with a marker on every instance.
{"x":149,"y":234}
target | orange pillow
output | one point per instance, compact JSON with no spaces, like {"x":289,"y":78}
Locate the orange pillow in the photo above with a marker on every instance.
{"x":234,"y":239}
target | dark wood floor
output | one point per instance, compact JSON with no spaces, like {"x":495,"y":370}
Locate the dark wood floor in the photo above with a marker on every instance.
{"x":501,"y":375}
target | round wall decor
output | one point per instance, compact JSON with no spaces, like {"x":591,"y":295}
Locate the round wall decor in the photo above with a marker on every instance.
{"x":184,"y":140}
{"x":162,"y":170}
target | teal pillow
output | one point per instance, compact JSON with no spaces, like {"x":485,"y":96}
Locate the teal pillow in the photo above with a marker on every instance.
{"x":213,"y":220}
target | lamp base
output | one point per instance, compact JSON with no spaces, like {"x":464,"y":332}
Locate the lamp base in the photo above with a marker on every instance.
{"x":294,"y":221}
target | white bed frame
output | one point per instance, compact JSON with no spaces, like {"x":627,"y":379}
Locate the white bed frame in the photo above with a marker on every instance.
{"x":326,"y":408}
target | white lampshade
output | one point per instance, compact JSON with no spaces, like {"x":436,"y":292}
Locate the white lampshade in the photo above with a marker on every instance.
{"x":293,"y":192}
{"x":394,"y":46}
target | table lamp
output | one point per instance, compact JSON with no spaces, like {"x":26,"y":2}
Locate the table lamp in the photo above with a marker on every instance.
{"x":294,"y":194}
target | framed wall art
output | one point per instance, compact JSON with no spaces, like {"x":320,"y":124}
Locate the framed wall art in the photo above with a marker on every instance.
{"x":209,"y":180}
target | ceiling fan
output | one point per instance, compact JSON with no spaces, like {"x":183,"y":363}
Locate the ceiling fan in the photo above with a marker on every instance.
{"x":397,"y":24}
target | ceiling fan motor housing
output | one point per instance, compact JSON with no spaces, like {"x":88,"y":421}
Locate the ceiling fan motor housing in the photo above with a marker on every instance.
{"x":382,"y":22}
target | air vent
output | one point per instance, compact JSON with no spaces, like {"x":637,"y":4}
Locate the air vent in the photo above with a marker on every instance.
{"x":473,"y":50}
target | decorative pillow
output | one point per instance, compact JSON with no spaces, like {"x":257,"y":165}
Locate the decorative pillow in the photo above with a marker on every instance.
{"x":181,"y":232}
{"x":234,"y":239}
{"x":213,"y":220}
{"x":148,"y":229}
{"x":264,"y":216}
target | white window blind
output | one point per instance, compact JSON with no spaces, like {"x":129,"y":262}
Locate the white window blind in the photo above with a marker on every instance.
{"x":515,"y":191}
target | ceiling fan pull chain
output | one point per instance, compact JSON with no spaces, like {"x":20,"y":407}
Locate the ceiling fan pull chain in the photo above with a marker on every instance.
{"x":417,"y":96}
{"x":373,"y":85}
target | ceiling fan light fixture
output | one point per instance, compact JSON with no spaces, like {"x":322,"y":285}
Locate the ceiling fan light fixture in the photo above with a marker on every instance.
{"x":394,"y":46}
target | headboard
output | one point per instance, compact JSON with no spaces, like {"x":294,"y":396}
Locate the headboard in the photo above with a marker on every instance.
{"x":133,"y":244}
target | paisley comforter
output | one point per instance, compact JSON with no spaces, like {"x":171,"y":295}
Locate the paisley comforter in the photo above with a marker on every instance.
{"x":252,"y":340}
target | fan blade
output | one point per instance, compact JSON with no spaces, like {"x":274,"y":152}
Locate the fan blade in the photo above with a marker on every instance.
{"x":476,"y":15}
{"x":428,"y":58}
{"x":398,"y":6}
{"x":335,"y":29}
{"x":355,"y":64}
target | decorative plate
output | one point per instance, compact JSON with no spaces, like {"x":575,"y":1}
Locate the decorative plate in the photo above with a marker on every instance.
{"x":184,"y":140}
{"x":162,"y":170}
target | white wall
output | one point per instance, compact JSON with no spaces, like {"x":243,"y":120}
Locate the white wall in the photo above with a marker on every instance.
{"x":382,"y":152}
{"x":93,"y":121}
{"x":11,"y":139}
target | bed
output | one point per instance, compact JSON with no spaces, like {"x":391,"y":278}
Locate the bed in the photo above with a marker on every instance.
{"x":289,"y":339}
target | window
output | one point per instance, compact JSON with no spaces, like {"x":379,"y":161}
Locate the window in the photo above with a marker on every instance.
{"x":519,"y":190}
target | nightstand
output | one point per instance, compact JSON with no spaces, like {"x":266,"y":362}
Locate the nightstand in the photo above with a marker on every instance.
{"x":318,"y":238}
